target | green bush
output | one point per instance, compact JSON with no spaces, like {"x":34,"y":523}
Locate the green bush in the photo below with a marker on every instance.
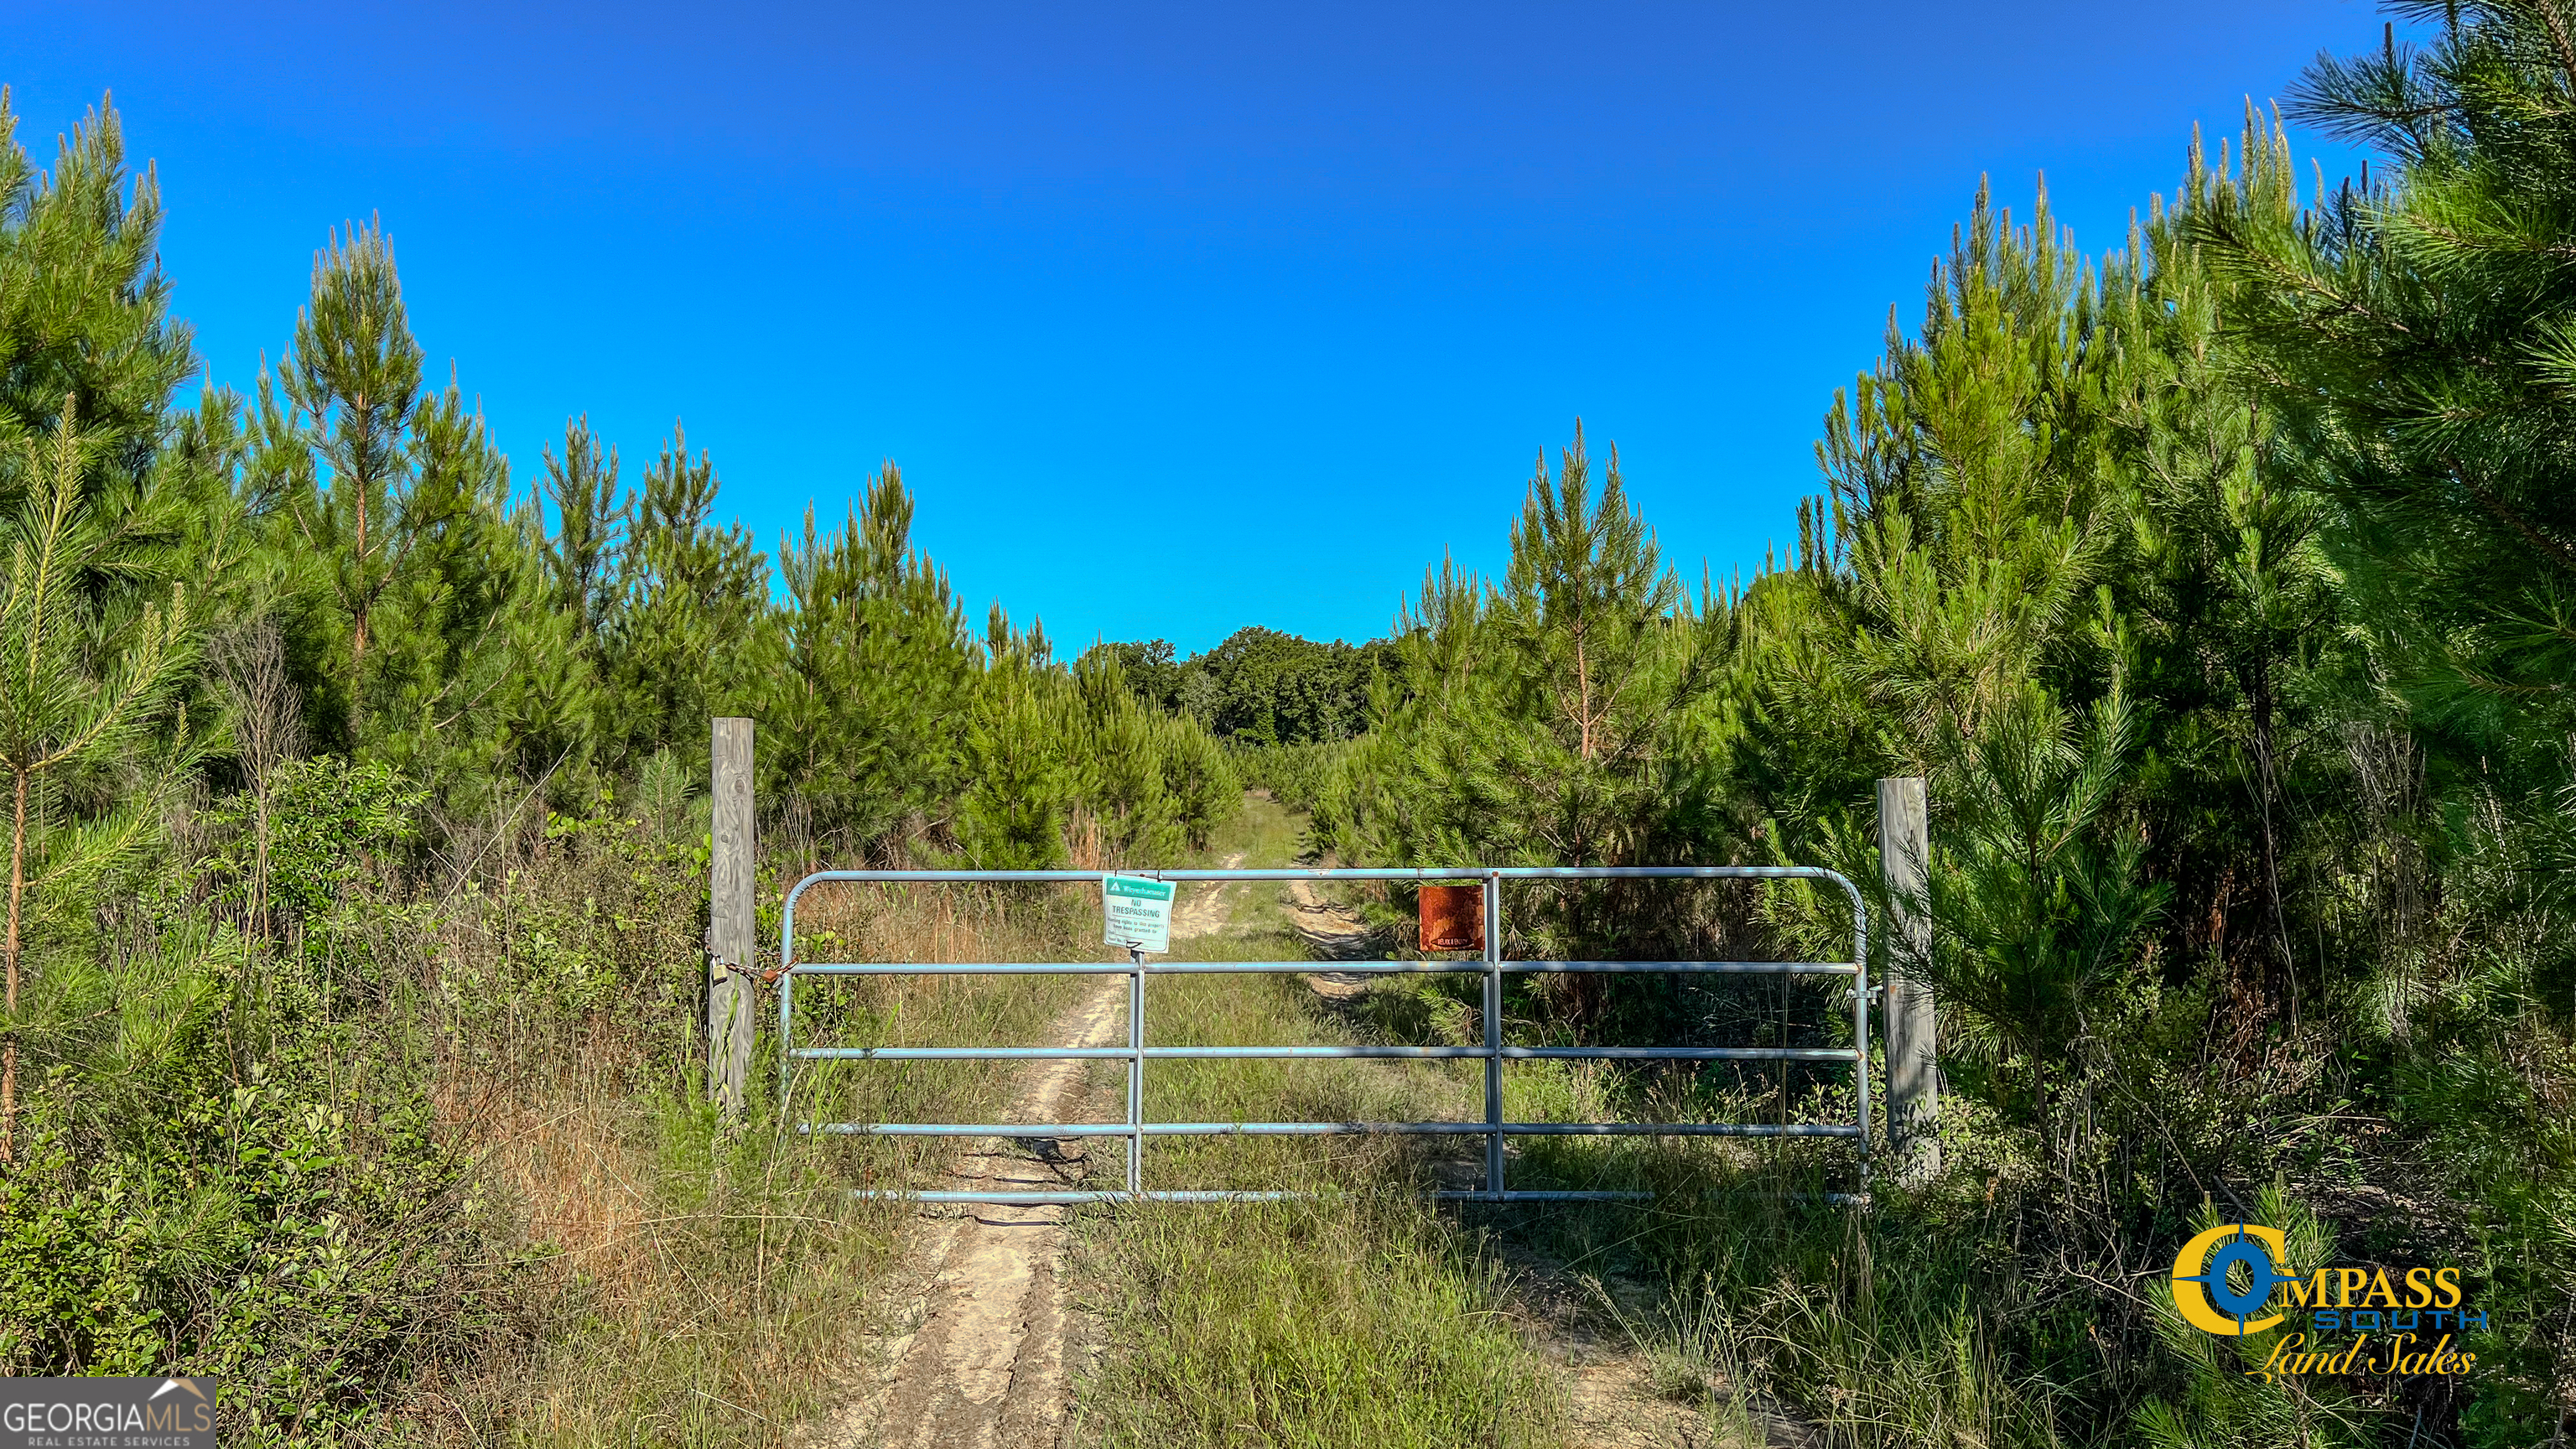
{"x":256,"y":1230}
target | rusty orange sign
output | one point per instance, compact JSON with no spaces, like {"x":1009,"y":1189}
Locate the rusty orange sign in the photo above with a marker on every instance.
{"x":1453,"y":918}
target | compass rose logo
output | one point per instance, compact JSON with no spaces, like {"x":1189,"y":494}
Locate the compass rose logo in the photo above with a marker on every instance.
{"x":2223,"y":1278}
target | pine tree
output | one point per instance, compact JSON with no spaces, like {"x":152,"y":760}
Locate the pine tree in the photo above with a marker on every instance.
{"x":547,"y":711}
{"x":2226,"y":586}
{"x":1020,"y":793}
{"x":583,"y":555}
{"x":1199,"y":779}
{"x":690,"y":627}
{"x":84,"y":308}
{"x":1599,"y":660}
{"x":478,"y":677}
{"x":93,"y":635}
{"x":1119,"y":776}
{"x":2415,"y":329}
{"x":1542,"y":719}
{"x":868,"y":705}
{"x":2412,"y":335}
{"x":353,"y":384}
{"x":1969,"y":488}
{"x":74,"y":699}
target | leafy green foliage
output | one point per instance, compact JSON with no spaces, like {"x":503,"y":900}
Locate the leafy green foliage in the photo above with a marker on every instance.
{"x":325,"y":817}
{"x":256,"y":1232}
{"x":1260,"y":687}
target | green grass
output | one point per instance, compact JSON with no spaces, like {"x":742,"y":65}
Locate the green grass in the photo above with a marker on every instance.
{"x":1364,"y":1315}
{"x":1356,"y":1317}
{"x":1351,"y":1320}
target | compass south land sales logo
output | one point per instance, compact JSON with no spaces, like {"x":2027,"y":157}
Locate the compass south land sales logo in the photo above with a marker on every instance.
{"x":2236,"y":1280}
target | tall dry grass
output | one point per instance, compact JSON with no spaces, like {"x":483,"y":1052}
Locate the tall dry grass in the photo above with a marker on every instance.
{"x":684,"y":1281}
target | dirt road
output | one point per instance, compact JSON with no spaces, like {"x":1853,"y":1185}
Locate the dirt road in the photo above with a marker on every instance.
{"x":983,"y":1362}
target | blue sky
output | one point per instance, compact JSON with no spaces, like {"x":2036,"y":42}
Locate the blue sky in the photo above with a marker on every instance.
{"x":1177,"y":318}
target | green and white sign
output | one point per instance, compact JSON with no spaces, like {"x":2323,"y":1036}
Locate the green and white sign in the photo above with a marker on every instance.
{"x":1139,"y":912}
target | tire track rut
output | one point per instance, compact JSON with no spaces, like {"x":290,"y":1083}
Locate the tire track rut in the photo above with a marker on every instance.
{"x":984,"y":1361}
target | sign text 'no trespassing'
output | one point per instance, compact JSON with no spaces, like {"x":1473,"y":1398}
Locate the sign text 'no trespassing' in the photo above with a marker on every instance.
{"x":1138,"y":913}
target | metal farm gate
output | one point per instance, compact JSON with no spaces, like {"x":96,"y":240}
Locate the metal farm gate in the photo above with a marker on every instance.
{"x":1493,"y":1053}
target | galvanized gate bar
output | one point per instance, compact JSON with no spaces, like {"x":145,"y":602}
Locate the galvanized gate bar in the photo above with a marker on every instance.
{"x":1249,"y":968}
{"x":1248,"y":1053}
{"x":1425,"y":873}
{"x":1493,"y":1013}
{"x":1326,"y":1129}
{"x":1136,"y":1070}
{"x":1492,"y":1051}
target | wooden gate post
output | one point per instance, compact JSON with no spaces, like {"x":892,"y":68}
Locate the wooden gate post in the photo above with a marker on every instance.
{"x":1913,"y":1066}
{"x":732,"y":929}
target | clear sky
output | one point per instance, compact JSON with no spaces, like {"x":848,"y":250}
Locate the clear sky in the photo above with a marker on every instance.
{"x":1177,"y":317}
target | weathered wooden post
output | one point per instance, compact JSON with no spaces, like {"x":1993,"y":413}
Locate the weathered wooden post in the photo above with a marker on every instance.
{"x":732,"y":931}
{"x":1913,"y":1066}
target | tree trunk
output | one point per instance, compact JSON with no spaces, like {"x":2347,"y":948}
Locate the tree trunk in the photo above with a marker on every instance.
{"x":2264,"y":789}
{"x":259,"y":865}
{"x":358,"y":609}
{"x":1583,"y":696}
{"x":17,"y":902}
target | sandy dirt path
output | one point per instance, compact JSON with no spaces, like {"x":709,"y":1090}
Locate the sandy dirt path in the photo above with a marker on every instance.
{"x":982,"y":1363}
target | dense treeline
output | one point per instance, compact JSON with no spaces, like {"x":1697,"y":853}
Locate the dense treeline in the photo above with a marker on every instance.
{"x":354,"y":527}
{"x":2219,"y":584}
{"x":301,"y":691}
{"x":1260,"y":687}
